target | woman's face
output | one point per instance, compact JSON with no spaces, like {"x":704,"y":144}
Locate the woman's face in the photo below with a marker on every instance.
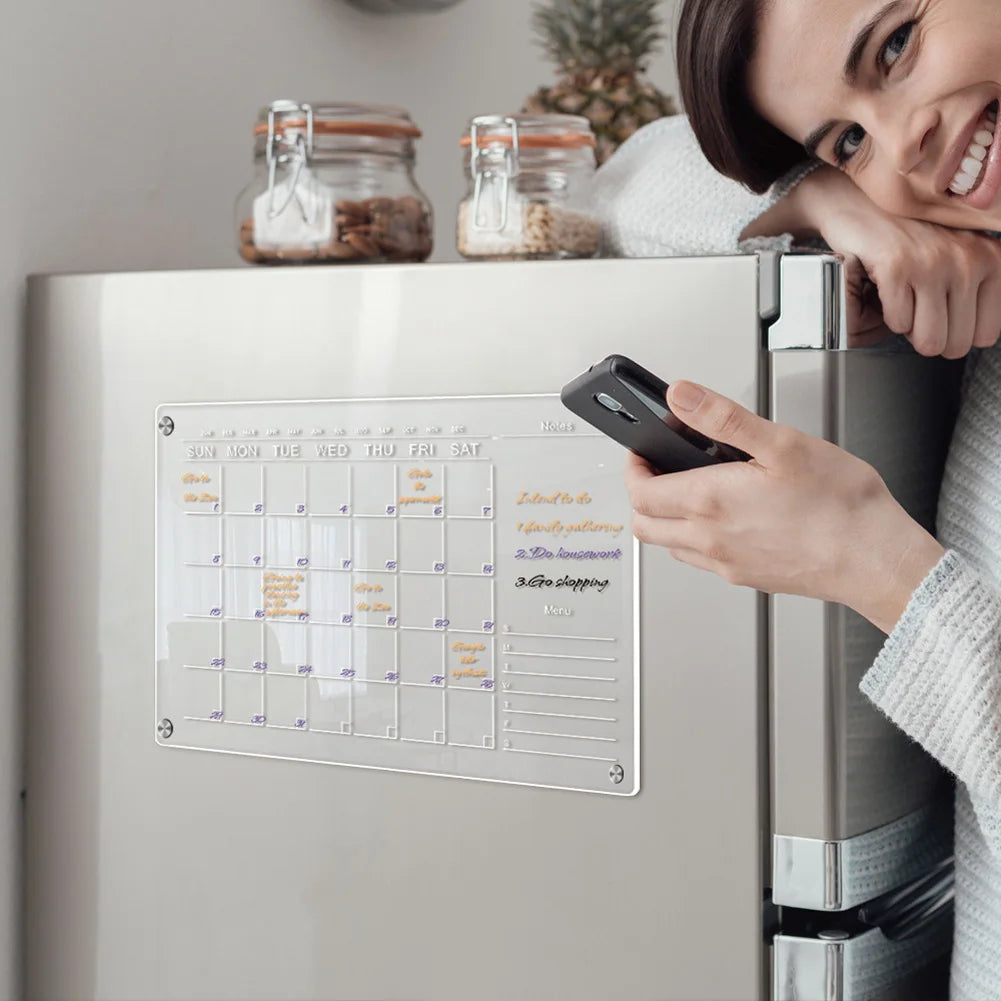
{"x":895,"y":93}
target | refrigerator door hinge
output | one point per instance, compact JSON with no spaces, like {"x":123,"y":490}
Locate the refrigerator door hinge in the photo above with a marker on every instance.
{"x":896,"y":940}
{"x":820,"y":875}
{"x":837,"y":965}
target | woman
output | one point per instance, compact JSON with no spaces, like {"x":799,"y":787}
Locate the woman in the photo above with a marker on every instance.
{"x":893,"y":108}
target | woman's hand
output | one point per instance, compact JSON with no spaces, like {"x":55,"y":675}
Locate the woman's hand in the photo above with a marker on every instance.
{"x":803,"y":517}
{"x":939,"y":287}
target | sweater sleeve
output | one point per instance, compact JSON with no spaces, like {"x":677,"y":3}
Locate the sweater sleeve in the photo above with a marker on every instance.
{"x":658,"y":196}
{"x":938,"y":677}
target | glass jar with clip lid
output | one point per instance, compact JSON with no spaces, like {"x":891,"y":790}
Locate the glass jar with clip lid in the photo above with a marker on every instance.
{"x":333,"y":183}
{"x":529,"y":188}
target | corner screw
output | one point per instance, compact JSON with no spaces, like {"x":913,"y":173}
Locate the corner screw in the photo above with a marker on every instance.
{"x":166,"y":426}
{"x":165,"y":728}
{"x":616,"y":774}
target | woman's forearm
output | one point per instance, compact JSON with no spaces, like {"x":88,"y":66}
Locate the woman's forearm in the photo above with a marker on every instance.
{"x":803,"y":210}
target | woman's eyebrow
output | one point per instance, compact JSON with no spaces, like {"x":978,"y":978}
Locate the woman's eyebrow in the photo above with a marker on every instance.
{"x":854,"y":60}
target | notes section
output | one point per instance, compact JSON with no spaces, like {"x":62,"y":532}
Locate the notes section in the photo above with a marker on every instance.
{"x":438,"y":586}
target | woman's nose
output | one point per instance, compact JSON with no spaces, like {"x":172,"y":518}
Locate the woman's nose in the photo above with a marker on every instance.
{"x":910,"y":137}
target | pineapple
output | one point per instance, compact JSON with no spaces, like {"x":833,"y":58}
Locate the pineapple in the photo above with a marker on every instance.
{"x":601,"y":48}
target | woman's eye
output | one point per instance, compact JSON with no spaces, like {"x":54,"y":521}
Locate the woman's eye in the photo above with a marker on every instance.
{"x":848,"y":144}
{"x":896,"y":44}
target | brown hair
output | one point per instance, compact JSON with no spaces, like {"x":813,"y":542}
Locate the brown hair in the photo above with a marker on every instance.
{"x":716,"y":42}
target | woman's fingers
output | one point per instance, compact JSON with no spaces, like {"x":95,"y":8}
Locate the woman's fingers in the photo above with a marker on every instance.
{"x":988,"y":313}
{"x":865,"y":312}
{"x":695,"y":559}
{"x":724,"y":420}
{"x":671,"y":533}
{"x":870,"y":337}
{"x":638,"y":470}
{"x":897,"y":298}
{"x":930,"y":332}
{"x":962,"y":322}
{"x":678,"y":536}
{"x":681,"y":495}
{"x":938,"y":286}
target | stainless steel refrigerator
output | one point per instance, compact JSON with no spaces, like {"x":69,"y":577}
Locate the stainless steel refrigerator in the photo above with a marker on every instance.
{"x":347,"y":679}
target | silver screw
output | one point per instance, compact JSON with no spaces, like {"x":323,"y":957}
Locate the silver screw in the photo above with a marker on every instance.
{"x":165,"y":728}
{"x":616,"y":774}
{"x":166,"y":426}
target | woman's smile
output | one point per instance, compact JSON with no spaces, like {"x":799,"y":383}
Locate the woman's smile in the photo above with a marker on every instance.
{"x":876,"y":90}
{"x":977,"y":184}
{"x":973,"y":149}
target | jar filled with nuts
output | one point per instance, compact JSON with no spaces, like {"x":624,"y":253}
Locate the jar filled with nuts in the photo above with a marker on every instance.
{"x":333,"y":184}
{"x":529,"y":188}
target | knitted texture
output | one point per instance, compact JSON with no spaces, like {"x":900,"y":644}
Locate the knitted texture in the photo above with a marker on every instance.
{"x":657,"y":196}
{"x":938,"y":675}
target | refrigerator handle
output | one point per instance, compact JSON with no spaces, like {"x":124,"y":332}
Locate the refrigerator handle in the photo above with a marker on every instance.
{"x":806,"y":307}
{"x":904,"y":912}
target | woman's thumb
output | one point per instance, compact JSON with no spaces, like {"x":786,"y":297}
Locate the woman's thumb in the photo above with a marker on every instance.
{"x":720,"y":418}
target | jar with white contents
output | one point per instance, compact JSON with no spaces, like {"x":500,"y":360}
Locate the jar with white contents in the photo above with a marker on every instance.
{"x":333,"y":184}
{"x":529,"y":188}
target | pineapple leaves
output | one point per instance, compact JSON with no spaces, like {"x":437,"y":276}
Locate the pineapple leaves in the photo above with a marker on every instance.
{"x":601,"y":48}
{"x":581,"y":35}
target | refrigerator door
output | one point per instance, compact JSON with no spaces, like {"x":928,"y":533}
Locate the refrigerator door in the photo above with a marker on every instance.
{"x":355,"y":864}
{"x":857,"y":807}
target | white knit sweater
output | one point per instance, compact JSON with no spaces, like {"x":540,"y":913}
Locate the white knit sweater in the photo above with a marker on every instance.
{"x":938,"y":676}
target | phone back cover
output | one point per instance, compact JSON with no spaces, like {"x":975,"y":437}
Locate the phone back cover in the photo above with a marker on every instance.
{"x":650,"y":437}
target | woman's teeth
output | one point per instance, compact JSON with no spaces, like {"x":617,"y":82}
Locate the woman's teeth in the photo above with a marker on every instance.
{"x":970,"y":170}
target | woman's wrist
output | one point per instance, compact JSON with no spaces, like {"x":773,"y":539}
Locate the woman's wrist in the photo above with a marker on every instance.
{"x":792,"y":213}
{"x":828,"y":197}
{"x":895,"y":568}
{"x":805,"y":208}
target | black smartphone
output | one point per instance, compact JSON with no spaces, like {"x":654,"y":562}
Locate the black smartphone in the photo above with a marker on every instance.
{"x":629,"y":404}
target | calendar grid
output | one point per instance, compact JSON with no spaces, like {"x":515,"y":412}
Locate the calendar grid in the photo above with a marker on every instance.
{"x":306,"y":567}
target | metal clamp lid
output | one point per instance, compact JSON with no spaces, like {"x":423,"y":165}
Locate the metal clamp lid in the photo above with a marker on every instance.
{"x":302,"y":154}
{"x":284,"y":107}
{"x":480,"y":165}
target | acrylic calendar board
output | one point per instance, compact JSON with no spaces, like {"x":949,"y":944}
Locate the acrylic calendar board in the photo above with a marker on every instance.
{"x":442,"y":586}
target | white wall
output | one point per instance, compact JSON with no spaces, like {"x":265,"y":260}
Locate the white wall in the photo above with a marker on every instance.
{"x":137,"y":116}
{"x":128,"y":136}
